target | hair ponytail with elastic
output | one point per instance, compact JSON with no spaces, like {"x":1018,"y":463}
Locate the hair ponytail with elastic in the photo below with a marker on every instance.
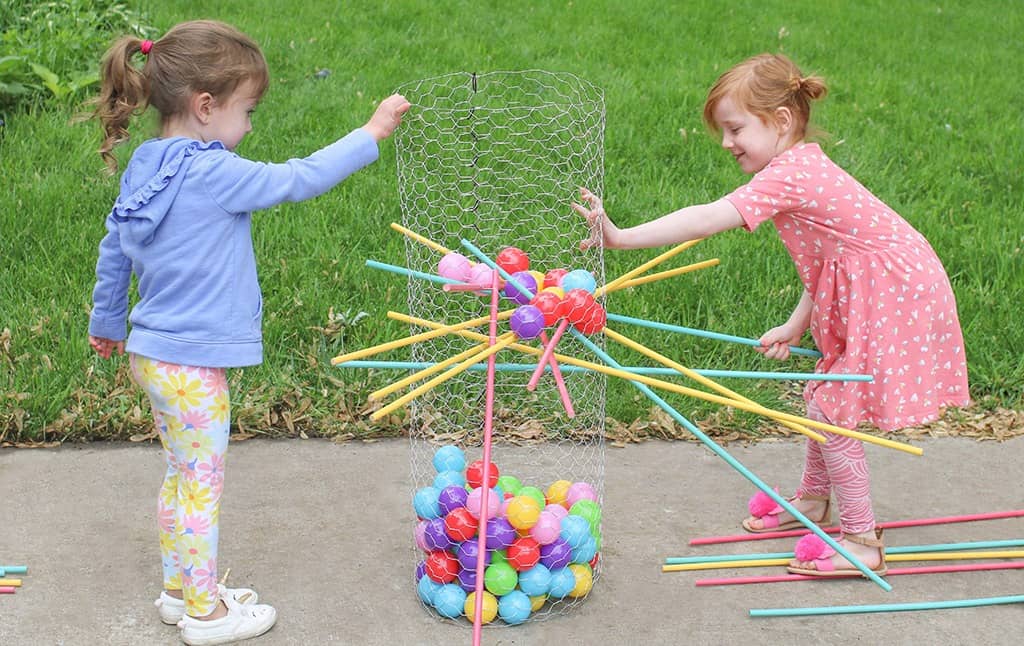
{"x":124,"y":92}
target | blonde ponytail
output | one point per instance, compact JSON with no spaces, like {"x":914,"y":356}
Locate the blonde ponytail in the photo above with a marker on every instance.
{"x":124,"y":92}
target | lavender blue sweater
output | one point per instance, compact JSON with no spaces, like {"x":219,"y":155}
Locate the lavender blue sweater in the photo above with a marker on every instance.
{"x":182,"y":225}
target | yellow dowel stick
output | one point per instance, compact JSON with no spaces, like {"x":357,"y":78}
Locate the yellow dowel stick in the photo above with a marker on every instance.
{"x":426,"y":372}
{"x":889,"y":558}
{"x":420,"y":239}
{"x":600,"y":291}
{"x":11,"y":582}
{"x":701,"y":379}
{"x":503,"y":341}
{"x":416,"y":338}
{"x":661,"y":275}
{"x":690,"y":392}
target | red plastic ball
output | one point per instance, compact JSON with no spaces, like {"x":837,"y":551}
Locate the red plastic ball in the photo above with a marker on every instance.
{"x":595,"y":321}
{"x":578,"y":304}
{"x":460,"y":525}
{"x":512,"y":260}
{"x":550,"y":306}
{"x":593,"y":561}
{"x":475,"y":474}
{"x":554,"y":277}
{"x":442,"y":566}
{"x":523,"y":553}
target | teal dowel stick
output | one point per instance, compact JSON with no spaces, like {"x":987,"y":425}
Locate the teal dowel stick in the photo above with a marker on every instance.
{"x":13,"y":569}
{"x":891,"y":607}
{"x":640,"y":370}
{"x":711,"y":444}
{"x":405,"y":271}
{"x":704,"y":333}
{"x":904,"y":549}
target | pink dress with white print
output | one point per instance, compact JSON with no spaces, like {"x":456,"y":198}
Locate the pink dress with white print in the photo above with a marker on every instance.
{"x":883,"y":304}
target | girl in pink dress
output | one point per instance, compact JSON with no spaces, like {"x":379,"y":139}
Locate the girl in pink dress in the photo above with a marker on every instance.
{"x":876,"y":298}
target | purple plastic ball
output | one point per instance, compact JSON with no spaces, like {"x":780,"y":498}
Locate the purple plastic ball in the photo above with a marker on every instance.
{"x":500,"y":534}
{"x":421,"y":569}
{"x":435,"y":536}
{"x":467,"y":580}
{"x":468,"y":552}
{"x":557,"y":554}
{"x":525,"y":280}
{"x":527,"y":321}
{"x":452,"y":497}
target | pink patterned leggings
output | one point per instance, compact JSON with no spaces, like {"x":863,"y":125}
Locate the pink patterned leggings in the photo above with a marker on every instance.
{"x":839,"y":465}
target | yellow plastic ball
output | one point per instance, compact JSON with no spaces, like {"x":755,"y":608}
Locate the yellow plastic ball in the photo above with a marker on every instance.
{"x":537,"y":602}
{"x":557,"y":492}
{"x":523,"y":512}
{"x":584,"y":579}
{"x":555,"y":289}
{"x":489,"y":610}
{"x":537,"y":276}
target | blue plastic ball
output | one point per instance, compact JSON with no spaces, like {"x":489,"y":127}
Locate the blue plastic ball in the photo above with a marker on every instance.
{"x":562,"y":583}
{"x":586,"y":551}
{"x":575,"y":530}
{"x":427,"y":589}
{"x":535,"y":581}
{"x":450,"y":599}
{"x":514,"y":607}
{"x":579,"y":279}
{"x":449,"y":458}
{"x":425,"y":503}
{"x":448,"y":478}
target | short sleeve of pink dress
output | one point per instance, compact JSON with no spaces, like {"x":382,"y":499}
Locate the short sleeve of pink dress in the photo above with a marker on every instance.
{"x":883,"y":304}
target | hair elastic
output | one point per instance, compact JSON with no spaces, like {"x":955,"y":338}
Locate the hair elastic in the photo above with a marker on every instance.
{"x":145,"y":47}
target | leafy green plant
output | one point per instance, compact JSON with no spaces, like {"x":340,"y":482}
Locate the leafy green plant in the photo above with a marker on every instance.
{"x":51,"y":50}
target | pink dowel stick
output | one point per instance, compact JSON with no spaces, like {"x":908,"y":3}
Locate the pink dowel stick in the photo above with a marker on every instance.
{"x":464,"y":287}
{"x":917,"y":522}
{"x":7,"y":589}
{"x":481,"y":541}
{"x":927,"y":569}
{"x":563,"y":392}
{"x":549,"y":350}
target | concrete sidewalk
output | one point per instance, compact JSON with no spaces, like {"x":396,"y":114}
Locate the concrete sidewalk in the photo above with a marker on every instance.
{"x":324,"y":532}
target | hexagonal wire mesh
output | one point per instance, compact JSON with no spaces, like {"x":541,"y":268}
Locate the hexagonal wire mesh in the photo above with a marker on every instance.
{"x":495,"y":159}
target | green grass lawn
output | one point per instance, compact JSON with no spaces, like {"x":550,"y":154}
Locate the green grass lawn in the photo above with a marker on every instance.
{"x":924,"y":109}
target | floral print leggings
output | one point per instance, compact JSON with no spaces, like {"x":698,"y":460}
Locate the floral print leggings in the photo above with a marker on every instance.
{"x":192,"y":414}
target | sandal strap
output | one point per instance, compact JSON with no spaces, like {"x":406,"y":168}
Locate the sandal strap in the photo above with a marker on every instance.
{"x":869,"y":542}
{"x":807,"y":496}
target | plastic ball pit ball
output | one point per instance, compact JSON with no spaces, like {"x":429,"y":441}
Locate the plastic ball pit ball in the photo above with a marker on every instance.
{"x":514,"y":608}
{"x":435,"y":535}
{"x":535,"y":581}
{"x":466,"y":580}
{"x":427,"y":588}
{"x":553,"y":278}
{"x":500,"y":534}
{"x":556,"y":493}
{"x":451,"y":498}
{"x":460,"y":524}
{"x":556,"y":554}
{"x":579,"y":491}
{"x":550,"y":305}
{"x":590,"y":510}
{"x":454,"y":266}
{"x":575,"y":530}
{"x":512,"y":259}
{"x":448,"y":478}
{"x":547,"y":528}
{"x":510,"y":484}
{"x":523,"y":512}
{"x":425,"y":503}
{"x":449,"y":458}
{"x":450,"y":600}
{"x":481,"y":274}
{"x":584,"y":580}
{"x":500,"y":578}
{"x":488,"y":610}
{"x":442,"y":567}
{"x":527,"y":322}
{"x":475,"y":474}
{"x":579,"y":279}
{"x":523,"y":553}
{"x":594,"y":321}
{"x":563,"y":581}
{"x":468,"y":552}
{"x":525,"y":280}
{"x":493,"y":502}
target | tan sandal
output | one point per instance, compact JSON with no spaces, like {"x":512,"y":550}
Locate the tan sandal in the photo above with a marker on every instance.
{"x":767,"y":510}
{"x":811,"y":548}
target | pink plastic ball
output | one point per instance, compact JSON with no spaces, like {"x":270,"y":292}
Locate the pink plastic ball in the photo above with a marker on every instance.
{"x":547,"y":528}
{"x":473,"y":503}
{"x":580,"y":491}
{"x":420,"y":535}
{"x":559,"y":511}
{"x":481,"y":274}
{"x":455,"y":266}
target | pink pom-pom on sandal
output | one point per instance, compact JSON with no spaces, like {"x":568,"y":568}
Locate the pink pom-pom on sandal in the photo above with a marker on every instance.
{"x":812,"y":549}
{"x":761,"y":506}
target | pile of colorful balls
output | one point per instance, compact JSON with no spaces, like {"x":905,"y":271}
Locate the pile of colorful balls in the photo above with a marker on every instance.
{"x":540,"y":545}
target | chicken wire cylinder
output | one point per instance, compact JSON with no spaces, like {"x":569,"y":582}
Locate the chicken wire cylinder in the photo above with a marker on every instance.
{"x":496,"y":159}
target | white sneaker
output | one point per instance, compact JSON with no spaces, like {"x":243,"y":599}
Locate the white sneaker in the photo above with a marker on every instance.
{"x":241,"y":622}
{"x":172,"y":610}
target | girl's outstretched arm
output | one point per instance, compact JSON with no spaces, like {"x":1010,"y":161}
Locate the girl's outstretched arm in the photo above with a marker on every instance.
{"x":688,"y":223}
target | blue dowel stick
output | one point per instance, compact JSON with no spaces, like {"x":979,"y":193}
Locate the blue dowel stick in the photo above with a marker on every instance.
{"x":892,"y":607}
{"x":704,"y":333}
{"x":640,"y":370}
{"x":711,"y":444}
{"x":13,"y":569}
{"x":905,"y":549}
{"x":405,"y":271}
